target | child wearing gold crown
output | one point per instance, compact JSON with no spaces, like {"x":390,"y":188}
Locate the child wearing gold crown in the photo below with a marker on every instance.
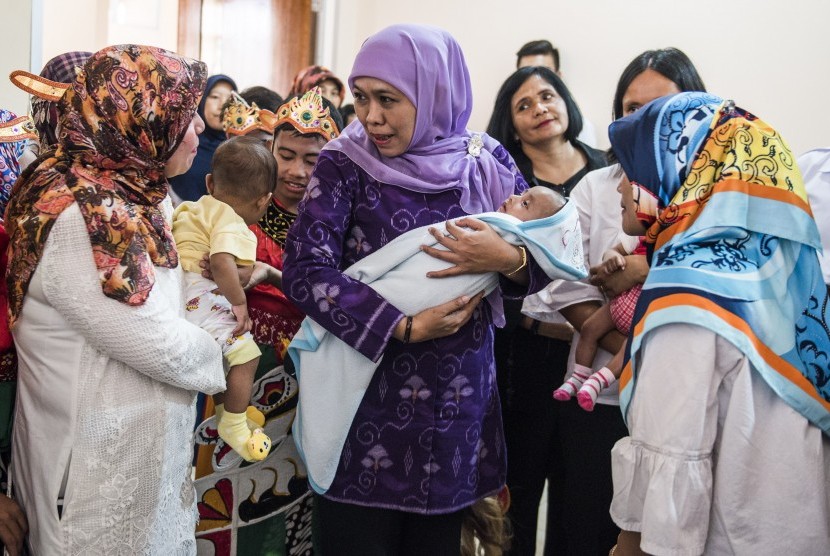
{"x":297,"y":131}
{"x":240,"y":186}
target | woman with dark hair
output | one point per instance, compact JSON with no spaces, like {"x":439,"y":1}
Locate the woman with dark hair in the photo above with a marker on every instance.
{"x":537,"y":120}
{"x":670,"y":63}
{"x":577,"y":444}
{"x":191,"y":185}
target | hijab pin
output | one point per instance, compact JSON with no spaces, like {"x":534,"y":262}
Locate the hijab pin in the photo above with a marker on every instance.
{"x":475,"y":145}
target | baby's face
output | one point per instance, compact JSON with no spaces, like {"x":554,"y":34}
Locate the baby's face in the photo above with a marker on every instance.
{"x":536,"y":202}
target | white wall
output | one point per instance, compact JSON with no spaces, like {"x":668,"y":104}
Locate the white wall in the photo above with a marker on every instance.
{"x":93,"y":24}
{"x":772,"y":57}
{"x":17,"y":32}
{"x":68,"y":26}
{"x":150,"y":22}
{"x":42,"y":29}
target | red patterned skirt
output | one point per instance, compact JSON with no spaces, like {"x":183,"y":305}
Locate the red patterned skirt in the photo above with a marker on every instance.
{"x":622,"y":308}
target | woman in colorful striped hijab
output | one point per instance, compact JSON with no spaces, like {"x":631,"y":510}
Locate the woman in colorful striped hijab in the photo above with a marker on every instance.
{"x":727,"y":390}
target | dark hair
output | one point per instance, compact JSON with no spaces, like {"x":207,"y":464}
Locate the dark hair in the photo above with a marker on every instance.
{"x":670,"y":62}
{"x":333,"y":112}
{"x":345,"y":111}
{"x":263,"y":96}
{"x":244,"y":168}
{"x":540,"y":47}
{"x":501,"y":126}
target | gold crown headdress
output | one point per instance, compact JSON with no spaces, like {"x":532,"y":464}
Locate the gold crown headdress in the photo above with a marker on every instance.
{"x":240,"y":118}
{"x":39,"y":86}
{"x":307,"y":115}
{"x":17,"y":129}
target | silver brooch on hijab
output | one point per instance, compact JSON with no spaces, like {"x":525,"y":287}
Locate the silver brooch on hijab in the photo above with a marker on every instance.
{"x":475,"y":145}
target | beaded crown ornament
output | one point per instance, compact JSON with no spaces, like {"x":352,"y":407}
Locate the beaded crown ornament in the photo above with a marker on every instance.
{"x":17,"y":129}
{"x":307,"y":115}
{"x":241,"y":118}
{"x":38,"y":86}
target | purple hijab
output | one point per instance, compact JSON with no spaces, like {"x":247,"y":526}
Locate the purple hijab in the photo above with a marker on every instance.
{"x":426,"y":64}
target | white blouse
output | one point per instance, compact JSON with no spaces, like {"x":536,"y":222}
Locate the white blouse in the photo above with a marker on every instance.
{"x":716,"y":463}
{"x":598,"y":203}
{"x":106,"y":407}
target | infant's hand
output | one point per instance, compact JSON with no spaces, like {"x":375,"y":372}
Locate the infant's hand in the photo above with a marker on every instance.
{"x":615,"y":263}
{"x":243,"y":321}
{"x":205,"y":265}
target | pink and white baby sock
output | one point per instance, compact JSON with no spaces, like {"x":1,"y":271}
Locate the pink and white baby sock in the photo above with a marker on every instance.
{"x":596,"y":383}
{"x":572,"y":385}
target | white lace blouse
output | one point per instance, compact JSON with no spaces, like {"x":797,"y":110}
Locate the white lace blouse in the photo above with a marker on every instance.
{"x":105,"y":407}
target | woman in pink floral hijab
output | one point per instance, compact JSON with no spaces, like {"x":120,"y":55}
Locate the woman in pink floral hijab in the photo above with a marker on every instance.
{"x":108,"y":366}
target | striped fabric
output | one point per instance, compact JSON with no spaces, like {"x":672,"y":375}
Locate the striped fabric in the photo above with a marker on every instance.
{"x":733,"y":248}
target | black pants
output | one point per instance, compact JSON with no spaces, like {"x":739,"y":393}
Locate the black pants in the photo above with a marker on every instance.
{"x":579,"y":496}
{"x":561,"y":443}
{"x":349,"y":529}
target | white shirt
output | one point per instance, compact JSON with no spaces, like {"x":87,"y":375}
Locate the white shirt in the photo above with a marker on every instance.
{"x":598,"y":204}
{"x":815,"y":169}
{"x":106,"y":407}
{"x":716,"y":462}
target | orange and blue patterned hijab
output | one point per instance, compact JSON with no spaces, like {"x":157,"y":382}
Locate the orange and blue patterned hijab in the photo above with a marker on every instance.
{"x":121,"y":120}
{"x":733,"y":246}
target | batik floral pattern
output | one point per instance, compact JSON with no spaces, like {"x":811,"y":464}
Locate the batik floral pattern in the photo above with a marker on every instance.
{"x":122,"y":119}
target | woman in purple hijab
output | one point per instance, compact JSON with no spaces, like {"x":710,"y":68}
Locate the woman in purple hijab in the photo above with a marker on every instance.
{"x":427,"y":439}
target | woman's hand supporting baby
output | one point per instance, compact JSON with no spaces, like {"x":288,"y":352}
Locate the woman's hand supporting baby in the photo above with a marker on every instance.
{"x":223,"y":266}
{"x":249,"y":276}
{"x":473,"y":248}
{"x":613,"y":283}
{"x":439,"y":321}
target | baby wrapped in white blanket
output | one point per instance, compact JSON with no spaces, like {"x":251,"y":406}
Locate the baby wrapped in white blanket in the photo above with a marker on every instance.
{"x":333,"y":377}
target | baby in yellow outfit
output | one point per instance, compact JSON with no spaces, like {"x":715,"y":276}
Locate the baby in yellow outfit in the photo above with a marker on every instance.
{"x":241,"y":182}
